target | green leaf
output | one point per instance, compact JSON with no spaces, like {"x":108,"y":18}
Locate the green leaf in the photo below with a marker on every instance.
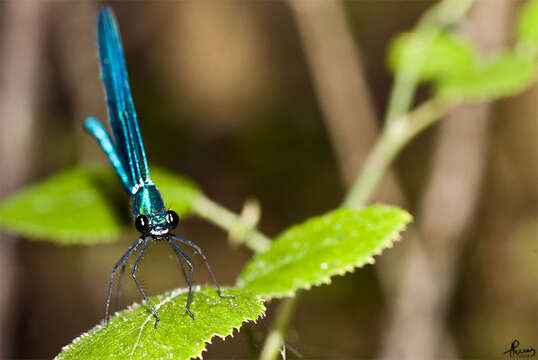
{"x":84,"y":205}
{"x":505,"y":75}
{"x":456,"y":69}
{"x":130,"y":335}
{"x":527,"y":24}
{"x":432,"y":54}
{"x":332,"y":244}
{"x":179,"y":192}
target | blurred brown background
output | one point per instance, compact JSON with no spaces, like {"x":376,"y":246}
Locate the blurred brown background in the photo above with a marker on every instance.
{"x":278,"y":102}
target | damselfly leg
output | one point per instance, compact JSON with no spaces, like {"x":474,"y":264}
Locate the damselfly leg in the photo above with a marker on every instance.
{"x":189,"y":262}
{"x":118,"y":287}
{"x":121,"y":262}
{"x":181,"y":266}
{"x":199,"y":251}
{"x":133,"y":274}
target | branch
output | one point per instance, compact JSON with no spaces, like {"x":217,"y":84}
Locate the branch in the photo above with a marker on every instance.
{"x":454,"y":183}
{"x":399,"y":130}
{"x":403,"y":91}
{"x":240,"y":230}
{"x":275,"y":339}
{"x":394,"y":137}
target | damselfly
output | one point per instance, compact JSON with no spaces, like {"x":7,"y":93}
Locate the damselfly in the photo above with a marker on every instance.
{"x":127,"y":156}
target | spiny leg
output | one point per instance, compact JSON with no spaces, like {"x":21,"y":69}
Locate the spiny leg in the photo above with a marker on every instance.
{"x":118,"y":288}
{"x":133,"y":274}
{"x":199,"y":250}
{"x":121,"y":262}
{"x":189,"y":262}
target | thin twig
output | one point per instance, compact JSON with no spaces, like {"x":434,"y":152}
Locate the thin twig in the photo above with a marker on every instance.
{"x":406,"y":79}
{"x":399,"y":130}
{"x":392,"y":140}
{"x":428,"y":275}
{"x":240,"y":230}
{"x":275,"y":339}
{"x":395,"y":136}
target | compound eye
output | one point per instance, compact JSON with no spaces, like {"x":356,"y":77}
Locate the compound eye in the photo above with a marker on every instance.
{"x":142,"y":224}
{"x":172,"y":218}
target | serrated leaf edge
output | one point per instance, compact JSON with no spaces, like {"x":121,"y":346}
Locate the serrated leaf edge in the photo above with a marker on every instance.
{"x":231,"y":334}
{"x":174,"y":293}
{"x":387,"y":244}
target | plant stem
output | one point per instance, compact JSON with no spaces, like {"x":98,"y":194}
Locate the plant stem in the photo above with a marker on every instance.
{"x":445,"y":13}
{"x":400,"y":127}
{"x":442,"y":14}
{"x":240,"y":231}
{"x":275,"y":339}
{"x":376,"y":164}
{"x":395,"y":136}
{"x":426,"y":114}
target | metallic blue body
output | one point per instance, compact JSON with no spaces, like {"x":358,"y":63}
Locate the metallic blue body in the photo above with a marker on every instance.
{"x":127,"y":153}
{"x":99,"y":132}
{"x":148,"y":201}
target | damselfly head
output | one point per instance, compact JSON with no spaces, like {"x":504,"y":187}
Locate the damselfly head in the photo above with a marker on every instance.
{"x":157,"y":225}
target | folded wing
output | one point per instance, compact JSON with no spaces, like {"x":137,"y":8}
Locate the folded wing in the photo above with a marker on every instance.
{"x":121,"y":111}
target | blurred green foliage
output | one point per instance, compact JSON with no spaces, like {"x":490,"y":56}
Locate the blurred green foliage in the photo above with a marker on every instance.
{"x":458,"y":70}
{"x":505,"y":75}
{"x":527,"y":23}
{"x":84,"y":205}
{"x":445,"y":54}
